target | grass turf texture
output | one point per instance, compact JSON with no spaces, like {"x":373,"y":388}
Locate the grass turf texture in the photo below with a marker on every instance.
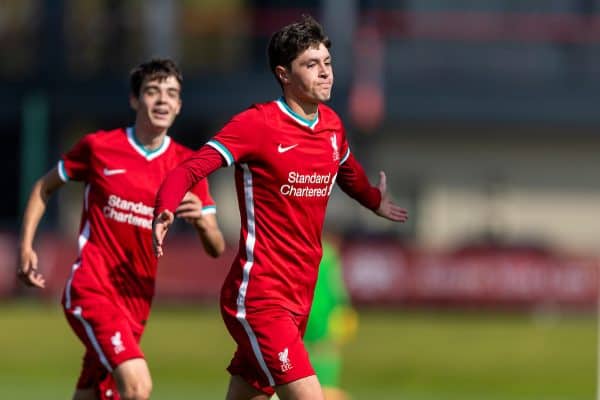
{"x":396,"y":355}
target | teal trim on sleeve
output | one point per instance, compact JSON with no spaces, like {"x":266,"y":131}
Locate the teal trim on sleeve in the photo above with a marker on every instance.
{"x":345,"y":157}
{"x":222,"y":150}
{"x":62,"y":172}
{"x":209,"y":210}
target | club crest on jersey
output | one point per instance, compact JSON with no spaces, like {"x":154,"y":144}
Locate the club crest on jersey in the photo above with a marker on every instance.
{"x":286,"y":365}
{"x":334,"y":146}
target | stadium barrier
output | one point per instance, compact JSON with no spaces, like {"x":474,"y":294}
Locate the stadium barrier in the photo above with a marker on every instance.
{"x":384,"y":273}
{"x":8,"y":264}
{"x":376,"y":273}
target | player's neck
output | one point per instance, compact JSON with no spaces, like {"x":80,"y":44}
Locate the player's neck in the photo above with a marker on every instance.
{"x":150,"y":139}
{"x":306,"y":110}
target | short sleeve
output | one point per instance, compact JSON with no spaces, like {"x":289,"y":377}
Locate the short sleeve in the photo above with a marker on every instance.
{"x":201,"y":189}
{"x":75,"y":164}
{"x":240,"y":138}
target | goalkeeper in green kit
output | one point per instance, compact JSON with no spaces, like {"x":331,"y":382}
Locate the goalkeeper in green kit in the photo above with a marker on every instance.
{"x":332,"y":322}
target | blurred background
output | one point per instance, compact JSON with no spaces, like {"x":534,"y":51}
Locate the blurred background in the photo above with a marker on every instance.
{"x":483,"y":113}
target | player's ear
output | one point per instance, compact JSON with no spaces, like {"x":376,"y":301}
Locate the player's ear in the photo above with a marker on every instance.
{"x":133,"y":101}
{"x":282,"y":73}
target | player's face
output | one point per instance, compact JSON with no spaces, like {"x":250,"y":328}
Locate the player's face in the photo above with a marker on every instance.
{"x":159,"y":102}
{"x":311,"y":75}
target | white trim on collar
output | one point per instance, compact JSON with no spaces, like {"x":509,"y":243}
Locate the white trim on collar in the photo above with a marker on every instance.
{"x":285,"y":108}
{"x":147,"y":154}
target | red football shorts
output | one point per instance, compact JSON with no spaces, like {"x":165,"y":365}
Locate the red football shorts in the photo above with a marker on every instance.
{"x":109,"y":339}
{"x":270,"y":350}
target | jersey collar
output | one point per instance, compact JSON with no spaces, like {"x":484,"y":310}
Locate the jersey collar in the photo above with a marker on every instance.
{"x":147,"y":154}
{"x":283,"y":106}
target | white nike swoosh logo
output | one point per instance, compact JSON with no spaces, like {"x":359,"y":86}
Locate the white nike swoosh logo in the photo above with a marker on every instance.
{"x":282,"y":149}
{"x":109,"y":172}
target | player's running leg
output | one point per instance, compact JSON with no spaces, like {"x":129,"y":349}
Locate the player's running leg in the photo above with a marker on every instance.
{"x":239,"y":389}
{"x":303,"y":389}
{"x":133,"y":379}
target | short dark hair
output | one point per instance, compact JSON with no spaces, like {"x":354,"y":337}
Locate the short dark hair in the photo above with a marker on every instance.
{"x":156,"y":68}
{"x":291,"y":40}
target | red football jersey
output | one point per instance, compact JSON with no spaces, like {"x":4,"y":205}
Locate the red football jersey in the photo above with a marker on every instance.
{"x":286,"y":167}
{"x":115,"y":241}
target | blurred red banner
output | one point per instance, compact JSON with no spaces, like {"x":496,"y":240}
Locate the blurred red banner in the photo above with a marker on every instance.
{"x":386,"y":273}
{"x":376,"y":273}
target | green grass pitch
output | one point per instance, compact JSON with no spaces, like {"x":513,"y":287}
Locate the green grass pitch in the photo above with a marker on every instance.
{"x":395,"y":355}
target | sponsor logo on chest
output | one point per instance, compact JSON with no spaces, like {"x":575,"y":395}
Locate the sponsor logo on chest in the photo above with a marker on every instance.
{"x":128,"y":212}
{"x":308,"y":185}
{"x":315,"y":184}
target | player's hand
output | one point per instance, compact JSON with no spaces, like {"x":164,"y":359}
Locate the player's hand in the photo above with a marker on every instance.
{"x":160,"y":226}
{"x":27,"y":270}
{"x":190,"y":208}
{"x":387,"y":208}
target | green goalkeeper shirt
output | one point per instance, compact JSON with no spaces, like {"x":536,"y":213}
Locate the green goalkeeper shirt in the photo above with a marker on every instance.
{"x":330,"y":294}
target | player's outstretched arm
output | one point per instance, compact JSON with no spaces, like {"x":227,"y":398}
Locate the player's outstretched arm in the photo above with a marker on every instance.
{"x":387,"y":208}
{"x":160,"y":226}
{"x":27,"y":269}
{"x":353,"y":181}
{"x":206,"y":225}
